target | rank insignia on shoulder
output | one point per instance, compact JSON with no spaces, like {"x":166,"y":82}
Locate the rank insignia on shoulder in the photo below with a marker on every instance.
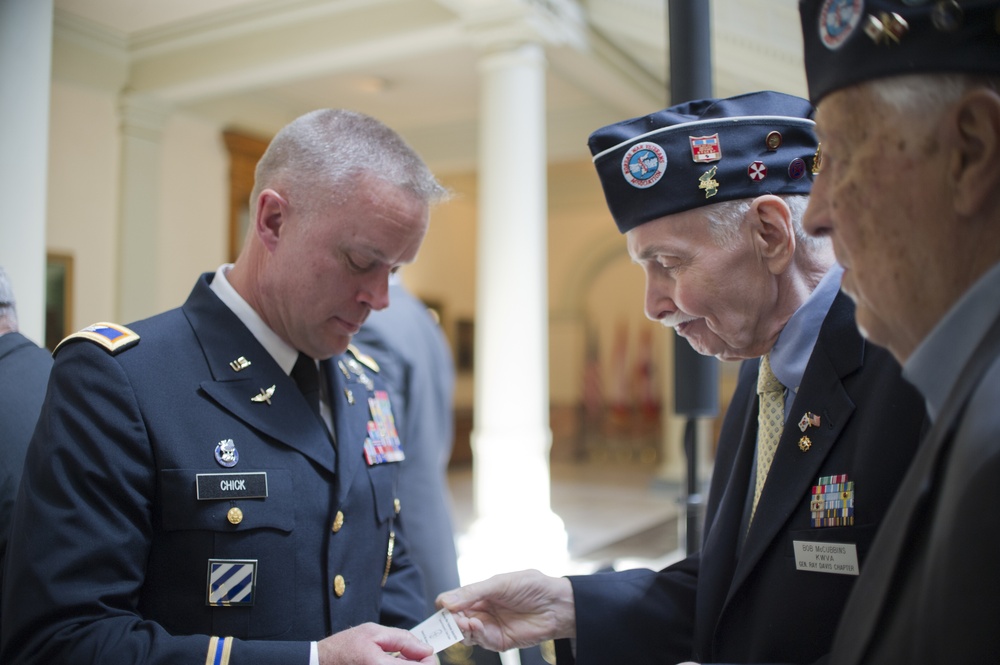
{"x":363,"y":358}
{"x":113,"y":337}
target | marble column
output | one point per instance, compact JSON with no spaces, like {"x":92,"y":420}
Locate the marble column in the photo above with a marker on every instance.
{"x":511,"y":438}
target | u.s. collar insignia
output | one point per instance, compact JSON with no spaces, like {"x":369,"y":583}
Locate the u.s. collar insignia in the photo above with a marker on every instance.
{"x":111,"y":336}
{"x":239,"y":364}
{"x":644,"y":164}
{"x":226,"y":454}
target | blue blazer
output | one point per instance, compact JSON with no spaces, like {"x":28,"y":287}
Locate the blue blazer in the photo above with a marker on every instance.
{"x":742,"y":599}
{"x":929,"y":594}
{"x":131,"y":533}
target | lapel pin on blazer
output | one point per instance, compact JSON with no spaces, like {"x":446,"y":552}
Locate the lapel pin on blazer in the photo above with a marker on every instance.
{"x":805,"y":444}
{"x":239,"y":364}
{"x":226,"y":454}
{"x":264,"y":396}
{"x":808,"y":420}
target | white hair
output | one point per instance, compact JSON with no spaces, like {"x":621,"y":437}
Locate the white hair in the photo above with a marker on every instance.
{"x":926,"y":95}
{"x":726,"y":219}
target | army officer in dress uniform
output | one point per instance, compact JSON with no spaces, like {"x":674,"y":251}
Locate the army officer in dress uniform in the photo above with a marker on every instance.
{"x":818,"y":434}
{"x":216,"y":484}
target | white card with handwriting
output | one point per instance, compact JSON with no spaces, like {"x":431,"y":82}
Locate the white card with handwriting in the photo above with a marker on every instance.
{"x":439,"y":630}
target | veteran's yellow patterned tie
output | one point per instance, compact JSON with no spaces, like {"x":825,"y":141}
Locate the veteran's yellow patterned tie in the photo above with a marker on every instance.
{"x":770,"y":422}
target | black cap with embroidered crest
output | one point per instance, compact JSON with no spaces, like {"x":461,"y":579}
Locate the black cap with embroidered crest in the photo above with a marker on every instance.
{"x":704,"y":152}
{"x":847,"y":42}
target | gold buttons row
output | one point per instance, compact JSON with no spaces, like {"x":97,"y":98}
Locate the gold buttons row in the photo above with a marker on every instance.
{"x":339,"y":585}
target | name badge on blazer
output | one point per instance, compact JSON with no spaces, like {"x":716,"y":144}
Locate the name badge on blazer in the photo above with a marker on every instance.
{"x":215,"y":486}
{"x":836,"y":558}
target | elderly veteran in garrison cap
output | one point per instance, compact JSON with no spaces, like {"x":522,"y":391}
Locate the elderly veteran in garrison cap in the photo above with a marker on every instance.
{"x":908,"y":100}
{"x":709,"y":195}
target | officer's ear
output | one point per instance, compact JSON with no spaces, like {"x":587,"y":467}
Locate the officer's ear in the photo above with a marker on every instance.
{"x":772,"y":231}
{"x":271,"y":212}
{"x":975,"y":144}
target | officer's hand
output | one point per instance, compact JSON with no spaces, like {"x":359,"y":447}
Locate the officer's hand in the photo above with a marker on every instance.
{"x":513,"y":610}
{"x":371,"y":643}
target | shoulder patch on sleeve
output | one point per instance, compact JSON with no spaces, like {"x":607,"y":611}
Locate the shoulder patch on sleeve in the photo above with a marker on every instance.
{"x":113,"y":337}
{"x":363,"y":358}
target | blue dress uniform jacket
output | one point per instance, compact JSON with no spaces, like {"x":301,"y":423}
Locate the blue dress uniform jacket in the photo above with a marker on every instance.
{"x":415,"y":361}
{"x":111,"y":552}
{"x":742,"y":600}
{"x":24,"y":373}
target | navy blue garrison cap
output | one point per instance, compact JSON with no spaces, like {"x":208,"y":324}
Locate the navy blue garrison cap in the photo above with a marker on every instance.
{"x":851,"y":41}
{"x":704,"y":152}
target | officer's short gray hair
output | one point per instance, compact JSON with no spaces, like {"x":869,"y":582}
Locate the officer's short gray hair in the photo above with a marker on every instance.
{"x":322,"y":152}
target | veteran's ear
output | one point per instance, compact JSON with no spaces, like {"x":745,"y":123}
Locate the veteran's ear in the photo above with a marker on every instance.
{"x":975,"y":139}
{"x":773,"y":232}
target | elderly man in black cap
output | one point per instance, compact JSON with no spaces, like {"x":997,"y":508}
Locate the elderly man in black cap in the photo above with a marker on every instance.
{"x":710,"y":195}
{"x":908,"y":98}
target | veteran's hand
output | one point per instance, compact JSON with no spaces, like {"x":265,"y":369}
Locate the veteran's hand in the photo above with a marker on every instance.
{"x":371,"y":644}
{"x":513,"y":610}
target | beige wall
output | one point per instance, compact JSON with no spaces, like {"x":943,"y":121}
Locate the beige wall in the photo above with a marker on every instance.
{"x":592,"y":283}
{"x":590,"y":276}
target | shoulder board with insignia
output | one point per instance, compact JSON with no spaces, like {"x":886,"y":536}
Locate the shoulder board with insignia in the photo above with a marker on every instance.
{"x":113,"y":337}
{"x":363,"y":358}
